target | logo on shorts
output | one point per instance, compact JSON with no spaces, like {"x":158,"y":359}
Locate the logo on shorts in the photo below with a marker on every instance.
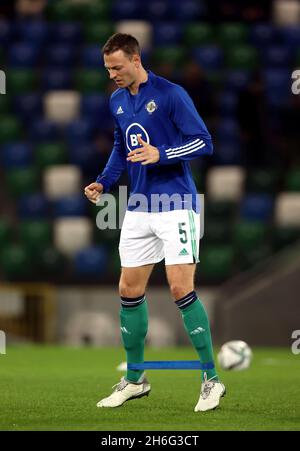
{"x":183,"y":252}
{"x":151,"y":107}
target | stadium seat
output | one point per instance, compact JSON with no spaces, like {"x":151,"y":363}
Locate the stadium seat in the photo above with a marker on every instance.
{"x":49,"y":154}
{"x":5,"y":32}
{"x":97,"y":11}
{"x":33,"y":206}
{"x":242,"y":57}
{"x":66,"y":32}
{"x":217,"y":231}
{"x":91,"y":57}
{"x":277,"y":56}
{"x":91,"y":261}
{"x":22,"y":181}
{"x":4,"y":232}
{"x":10,"y":129}
{"x":54,"y":79}
{"x":35,"y":31}
{"x":292,"y":180}
{"x":197,"y":34}
{"x":23,"y":55}
{"x":285,"y":236}
{"x":142,"y":31}
{"x":5,"y":104}
{"x":61,"y":181}
{"x":210,"y":57}
{"x":236,"y":80}
{"x":277,"y":86}
{"x":225,"y":183}
{"x":287,"y":209}
{"x":126,"y":9}
{"x":216,"y":263}
{"x":169,"y":55}
{"x":248,"y":234}
{"x":51,"y":263}
{"x":286,"y":13}
{"x":98,"y":32}
{"x":21,"y":81}
{"x":228,"y":130}
{"x":227,"y":103}
{"x":28,"y":106}
{"x":87,"y":157}
{"x":16,"y":261}
{"x":229,"y":153}
{"x":74,"y":205}
{"x":61,"y":107}
{"x":231,"y":33}
{"x":80,"y":130}
{"x":262,"y":181}
{"x":222,"y":211}
{"x":188,"y":10}
{"x":157,"y":10}
{"x":91,"y":81}
{"x":257,"y":207}
{"x":16,"y":155}
{"x":72,"y":234}
{"x":261,"y":34}
{"x":94,"y":105}
{"x":35,"y":234}
{"x":290,"y":36}
{"x":167,"y":34}
{"x":61,"y":11}
{"x":60,"y":55}
{"x":42,"y":130}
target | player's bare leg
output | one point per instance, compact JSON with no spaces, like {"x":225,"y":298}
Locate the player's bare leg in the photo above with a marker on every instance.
{"x":181,"y":282}
{"x":134,"y":325}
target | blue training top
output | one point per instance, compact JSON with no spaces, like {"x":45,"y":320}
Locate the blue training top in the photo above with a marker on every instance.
{"x":164,"y":115}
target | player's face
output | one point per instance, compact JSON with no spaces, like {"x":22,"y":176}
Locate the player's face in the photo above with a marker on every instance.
{"x":122,"y":68}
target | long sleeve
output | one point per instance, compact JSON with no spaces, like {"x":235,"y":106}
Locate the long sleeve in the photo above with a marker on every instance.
{"x":116,"y":163}
{"x":196,"y":138}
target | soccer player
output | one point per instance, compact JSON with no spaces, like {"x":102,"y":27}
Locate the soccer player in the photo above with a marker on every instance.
{"x":157,"y":132}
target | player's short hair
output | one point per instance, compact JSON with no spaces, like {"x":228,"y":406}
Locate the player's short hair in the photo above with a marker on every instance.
{"x":122,"y":41}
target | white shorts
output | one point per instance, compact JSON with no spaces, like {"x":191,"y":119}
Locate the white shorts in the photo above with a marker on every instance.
{"x":148,"y":238}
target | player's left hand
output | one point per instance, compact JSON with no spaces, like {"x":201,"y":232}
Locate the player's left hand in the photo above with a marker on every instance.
{"x":146,"y":154}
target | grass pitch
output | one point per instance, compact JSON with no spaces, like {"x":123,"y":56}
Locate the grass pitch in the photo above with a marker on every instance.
{"x":57,"y":388}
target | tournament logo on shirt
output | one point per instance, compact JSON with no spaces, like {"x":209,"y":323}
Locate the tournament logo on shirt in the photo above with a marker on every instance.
{"x":151,"y":107}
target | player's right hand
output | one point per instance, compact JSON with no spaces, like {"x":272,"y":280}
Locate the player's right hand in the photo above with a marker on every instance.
{"x":93,"y":191}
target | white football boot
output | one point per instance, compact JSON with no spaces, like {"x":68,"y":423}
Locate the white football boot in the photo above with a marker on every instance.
{"x":211,"y":393}
{"x":125,"y":391}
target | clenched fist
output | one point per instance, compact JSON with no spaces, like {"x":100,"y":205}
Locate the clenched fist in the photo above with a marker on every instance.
{"x":93,"y":191}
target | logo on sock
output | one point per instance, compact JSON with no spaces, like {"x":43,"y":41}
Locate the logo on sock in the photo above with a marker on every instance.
{"x":125,"y":331}
{"x":197,"y":331}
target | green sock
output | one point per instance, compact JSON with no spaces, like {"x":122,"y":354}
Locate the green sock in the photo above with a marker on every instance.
{"x":134,"y":326}
{"x":196,"y":324}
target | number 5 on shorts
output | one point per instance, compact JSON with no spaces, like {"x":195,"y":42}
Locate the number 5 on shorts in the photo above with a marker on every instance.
{"x":183,"y":239}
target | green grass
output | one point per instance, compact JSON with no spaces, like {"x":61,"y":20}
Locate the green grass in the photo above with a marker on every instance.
{"x":56,"y":388}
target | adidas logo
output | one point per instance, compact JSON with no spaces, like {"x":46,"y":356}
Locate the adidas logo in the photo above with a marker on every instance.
{"x":183,"y":252}
{"x":125,"y":331}
{"x":120,"y":110}
{"x":197,"y":331}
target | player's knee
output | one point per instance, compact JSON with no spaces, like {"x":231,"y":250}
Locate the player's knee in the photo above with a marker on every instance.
{"x":130,"y":291}
{"x":179,"y":291}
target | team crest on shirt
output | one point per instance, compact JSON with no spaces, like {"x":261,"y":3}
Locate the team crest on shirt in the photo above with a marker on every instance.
{"x":151,"y":106}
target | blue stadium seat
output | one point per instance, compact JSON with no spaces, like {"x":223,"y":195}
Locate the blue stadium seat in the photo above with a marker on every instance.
{"x":5,"y":32}
{"x":167,"y":33}
{"x":92,"y":261}
{"x":227,"y":103}
{"x":70,"y":206}
{"x":262,"y":34}
{"x":35,"y":31}
{"x":257,"y":207}
{"x":236,"y":79}
{"x":187,"y":10}
{"x":16,"y":155}
{"x":80,"y":130}
{"x":277,"y":85}
{"x":210,"y":57}
{"x":42,"y":130}
{"x":87,"y":157}
{"x":277,"y":56}
{"x":157,"y":10}
{"x":33,"y":206}
{"x":290,"y":36}
{"x":56,"y":79}
{"x":94,"y":105}
{"x":228,"y":131}
{"x":66,"y":33}
{"x":61,"y":55}
{"x":228,"y":153}
{"x":91,"y":57}
{"x":23,"y":55}
{"x":28,"y":106}
{"x":127,"y":9}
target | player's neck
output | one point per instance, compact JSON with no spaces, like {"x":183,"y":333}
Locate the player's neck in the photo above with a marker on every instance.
{"x":141,"y":78}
